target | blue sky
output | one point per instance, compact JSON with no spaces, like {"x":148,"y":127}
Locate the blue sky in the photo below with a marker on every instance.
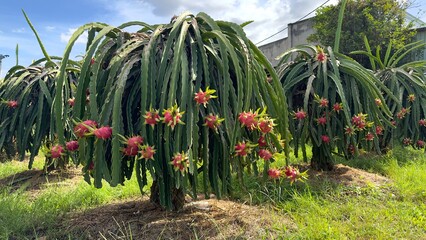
{"x":55,"y":20}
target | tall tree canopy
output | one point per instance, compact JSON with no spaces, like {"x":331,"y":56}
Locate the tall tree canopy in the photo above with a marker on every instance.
{"x":382,"y":21}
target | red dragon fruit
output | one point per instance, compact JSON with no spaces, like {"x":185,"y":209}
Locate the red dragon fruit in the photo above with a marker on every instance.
{"x":322,"y":121}
{"x":266,"y":125}
{"x":204,"y":97}
{"x":82,"y":128}
{"x":325,"y":139}
{"x":56,"y":151}
{"x":300,"y":115}
{"x":180,"y":162}
{"x":337,"y":107}
{"x":274,"y":173}
{"x":265,"y":154}
{"x":241,"y":149}
{"x":261,"y":141}
{"x":103,"y":132}
{"x":130,"y":151}
{"x":248,"y":119}
{"x":172,"y":116}
{"x":72,"y":146}
{"x":152,"y":117}
{"x":12,"y":104}
{"x":213,"y":121}
{"x":148,"y":152}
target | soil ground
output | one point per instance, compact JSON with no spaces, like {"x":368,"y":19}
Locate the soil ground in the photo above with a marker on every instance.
{"x":348,"y":176}
{"x":200,"y":219}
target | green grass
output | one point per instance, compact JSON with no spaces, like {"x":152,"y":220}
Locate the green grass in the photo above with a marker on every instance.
{"x":20,"y":215}
{"x":12,"y":167}
{"x":23,"y":215}
{"x":326,"y":210}
{"x":365,"y":216}
{"x":313,"y":210}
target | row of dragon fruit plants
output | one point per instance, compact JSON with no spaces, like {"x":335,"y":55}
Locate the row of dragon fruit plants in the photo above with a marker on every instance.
{"x":197,"y":97}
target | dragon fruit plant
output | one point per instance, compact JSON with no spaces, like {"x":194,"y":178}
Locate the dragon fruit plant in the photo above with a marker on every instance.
{"x":407,"y":82}
{"x":26,"y":121}
{"x":27,"y":96}
{"x":172,"y":95}
{"x":332,"y":100}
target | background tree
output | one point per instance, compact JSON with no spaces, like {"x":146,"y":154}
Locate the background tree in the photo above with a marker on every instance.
{"x":381,"y":21}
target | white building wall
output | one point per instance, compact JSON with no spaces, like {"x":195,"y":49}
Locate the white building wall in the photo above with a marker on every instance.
{"x":298,"y":32}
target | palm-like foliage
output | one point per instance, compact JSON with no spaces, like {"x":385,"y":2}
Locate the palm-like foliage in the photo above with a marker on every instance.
{"x":161,"y":67}
{"x":338,"y":95}
{"x":406,"y":81}
{"x":28,"y":123}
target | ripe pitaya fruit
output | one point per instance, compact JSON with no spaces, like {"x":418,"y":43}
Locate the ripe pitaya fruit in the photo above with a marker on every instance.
{"x":103,"y":132}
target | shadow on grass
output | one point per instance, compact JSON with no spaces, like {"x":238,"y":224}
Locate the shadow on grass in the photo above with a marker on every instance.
{"x":376,"y":163}
{"x":32,"y":180}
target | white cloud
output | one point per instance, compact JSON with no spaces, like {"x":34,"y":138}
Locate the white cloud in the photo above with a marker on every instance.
{"x":18,"y":30}
{"x":65,"y":37}
{"x":269,"y":16}
{"x":49,"y":28}
{"x":171,"y":7}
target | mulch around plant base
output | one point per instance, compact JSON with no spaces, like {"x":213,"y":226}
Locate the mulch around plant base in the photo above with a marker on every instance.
{"x":348,"y":176}
{"x":201,"y":219}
